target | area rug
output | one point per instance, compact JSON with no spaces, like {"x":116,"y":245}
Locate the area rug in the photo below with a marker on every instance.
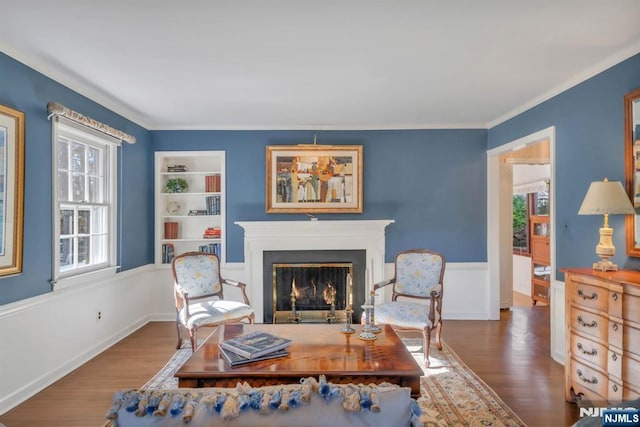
{"x":452,"y":394}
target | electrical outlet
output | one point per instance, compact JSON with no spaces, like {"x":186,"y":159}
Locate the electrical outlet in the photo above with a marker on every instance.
{"x":99,"y":315}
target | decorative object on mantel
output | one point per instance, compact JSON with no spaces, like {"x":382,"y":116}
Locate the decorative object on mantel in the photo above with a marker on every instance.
{"x":56,"y":109}
{"x":314,"y":178}
{"x":605,"y":198}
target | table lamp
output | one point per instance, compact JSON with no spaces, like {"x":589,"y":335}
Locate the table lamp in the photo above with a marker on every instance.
{"x":605,"y":198}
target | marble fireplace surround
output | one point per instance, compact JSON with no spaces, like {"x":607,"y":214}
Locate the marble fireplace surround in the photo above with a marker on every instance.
{"x":261,"y":236}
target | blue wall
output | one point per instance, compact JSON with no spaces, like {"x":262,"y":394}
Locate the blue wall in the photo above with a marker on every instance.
{"x":589,"y":121}
{"x":27,"y":90}
{"x":431,"y":182}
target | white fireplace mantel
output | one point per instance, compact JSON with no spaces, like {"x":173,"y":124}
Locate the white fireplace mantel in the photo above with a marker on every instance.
{"x":261,"y":236}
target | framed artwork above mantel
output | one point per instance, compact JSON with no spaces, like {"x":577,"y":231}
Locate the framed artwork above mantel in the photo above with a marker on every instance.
{"x":314,"y":179}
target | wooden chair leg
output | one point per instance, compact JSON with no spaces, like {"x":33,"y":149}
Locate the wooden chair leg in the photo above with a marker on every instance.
{"x":426,"y":333}
{"x":193,"y":335}
{"x":179,"y":328}
{"x":438,"y":334}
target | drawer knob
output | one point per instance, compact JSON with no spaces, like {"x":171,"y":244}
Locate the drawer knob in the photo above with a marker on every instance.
{"x":615,"y":326}
{"x":593,"y":352}
{"x":614,"y":297}
{"x":581,"y":322}
{"x":614,"y":357}
{"x":614,"y":387}
{"x":593,"y":296}
{"x":593,"y":380}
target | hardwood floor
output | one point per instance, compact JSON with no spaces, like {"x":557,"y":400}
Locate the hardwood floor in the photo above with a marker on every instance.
{"x":510,"y":355}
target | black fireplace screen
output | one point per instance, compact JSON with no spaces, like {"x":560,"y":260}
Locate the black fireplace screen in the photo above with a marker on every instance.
{"x":311,"y":292}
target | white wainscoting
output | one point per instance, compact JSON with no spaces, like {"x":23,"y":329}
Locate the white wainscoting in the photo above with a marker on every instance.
{"x":45,"y":337}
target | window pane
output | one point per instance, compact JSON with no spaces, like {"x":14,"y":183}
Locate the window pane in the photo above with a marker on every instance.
{"x":98,"y":249}
{"x":99,"y":219}
{"x":66,"y":254}
{"x":84,"y":217}
{"x":63,"y":186}
{"x":520,"y":221}
{"x":95,"y":190}
{"x":78,"y":157}
{"x":78,"y":187}
{"x":66,"y":221}
{"x":63,"y":154}
{"x":93,"y":161}
{"x":541,"y":205}
{"x":83,"y":251}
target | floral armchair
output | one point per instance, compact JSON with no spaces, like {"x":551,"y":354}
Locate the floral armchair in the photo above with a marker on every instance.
{"x":418,"y":276}
{"x":199,"y":295}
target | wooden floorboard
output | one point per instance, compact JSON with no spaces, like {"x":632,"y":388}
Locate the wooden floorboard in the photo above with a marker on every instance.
{"x":510,"y":355}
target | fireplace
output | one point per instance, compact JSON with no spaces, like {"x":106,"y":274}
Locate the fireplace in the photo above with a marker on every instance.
{"x":301,"y":284}
{"x":260,"y":237}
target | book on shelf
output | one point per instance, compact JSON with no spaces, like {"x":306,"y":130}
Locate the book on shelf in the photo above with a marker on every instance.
{"x":234,"y":359}
{"x":212,"y":183}
{"x":195,"y":212}
{"x":177,"y":168}
{"x":211,"y":248}
{"x":168,"y":253}
{"x":212,"y":233}
{"x":255,"y":344}
{"x":213,"y":204}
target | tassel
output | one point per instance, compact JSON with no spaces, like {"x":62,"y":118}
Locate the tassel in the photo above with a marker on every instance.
{"x":365,"y":399}
{"x":142,"y":405}
{"x":132,"y":402}
{"x":243,"y":388}
{"x":375,"y":402}
{"x":163,"y":405}
{"x":110,"y":423}
{"x":231,"y":408}
{"x":152,"y":404}
{"x":324,"y":388}
{"x":284,"y":401}
{"x":210,"y":401}
{"x":295,"y":398}
{"x":275,"y":399}
{"x":307,"y":388}
{"x":177,"y":404}
{"x":264,"y":404}
{"x":255,"y":398}
{"x":190,"y":407}
{"x":244,"y":402}
{"x":116,"y":403}
{"x":351,"y":402}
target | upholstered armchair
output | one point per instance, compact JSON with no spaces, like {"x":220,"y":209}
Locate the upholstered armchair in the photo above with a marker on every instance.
{"x":416,"y":302}
{"x":199,"y":295}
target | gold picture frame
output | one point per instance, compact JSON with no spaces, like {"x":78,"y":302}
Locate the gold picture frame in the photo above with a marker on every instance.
{"x":11,"y":189}
{"x":314,"y":179}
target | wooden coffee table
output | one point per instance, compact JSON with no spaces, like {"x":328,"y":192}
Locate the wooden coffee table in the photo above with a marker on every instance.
{"x":316,"y":349}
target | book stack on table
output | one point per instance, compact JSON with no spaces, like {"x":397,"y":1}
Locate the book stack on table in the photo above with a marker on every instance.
{"x":252,"y":347}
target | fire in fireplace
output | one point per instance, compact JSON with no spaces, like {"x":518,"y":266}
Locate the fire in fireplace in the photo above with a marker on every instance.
{"x":313,"y":285}
{"x":312,"y":292}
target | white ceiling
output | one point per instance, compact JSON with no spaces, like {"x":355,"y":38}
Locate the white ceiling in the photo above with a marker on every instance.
{"x":319,"y":64}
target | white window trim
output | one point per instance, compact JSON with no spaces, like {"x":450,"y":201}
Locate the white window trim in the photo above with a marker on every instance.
{"x":61,"y":280}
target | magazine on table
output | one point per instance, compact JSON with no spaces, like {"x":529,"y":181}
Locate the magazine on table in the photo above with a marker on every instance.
{"x":235,"y":359}
{"x":255,"y":344}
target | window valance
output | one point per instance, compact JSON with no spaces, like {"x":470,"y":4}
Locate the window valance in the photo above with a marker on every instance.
{"x":56,"y":109}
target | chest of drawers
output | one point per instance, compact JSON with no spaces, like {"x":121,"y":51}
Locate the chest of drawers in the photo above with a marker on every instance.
{"x":602,"y":312}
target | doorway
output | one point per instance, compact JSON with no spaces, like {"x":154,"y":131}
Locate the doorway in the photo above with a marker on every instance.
{"x":500,"y":232}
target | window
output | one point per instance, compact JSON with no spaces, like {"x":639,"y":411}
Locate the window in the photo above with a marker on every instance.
{"x":84,"y":199}
{"x":525,"y":205}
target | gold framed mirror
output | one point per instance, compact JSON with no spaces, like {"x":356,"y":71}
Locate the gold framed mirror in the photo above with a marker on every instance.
{"x":632,"y":168}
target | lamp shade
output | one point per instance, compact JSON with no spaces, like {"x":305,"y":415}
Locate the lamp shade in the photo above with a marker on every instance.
{"x":606,"y":197}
